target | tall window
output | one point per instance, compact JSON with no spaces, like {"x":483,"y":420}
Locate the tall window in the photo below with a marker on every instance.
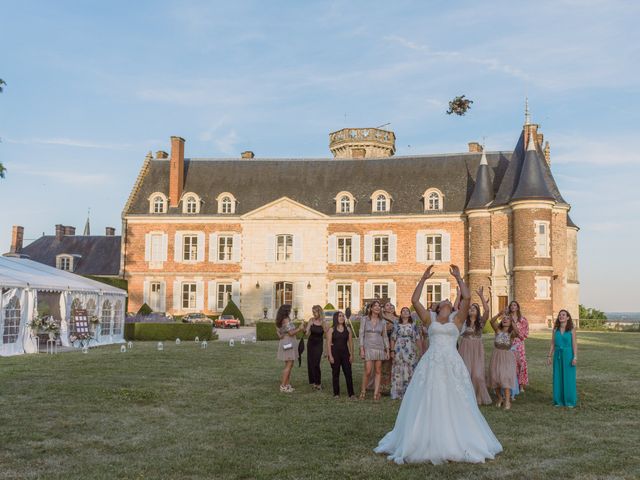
{"x":155,"y":296}
{"x":284,"y":248}
{"x":543,"y":288}
{"x":188,"y":296}
{"x":91,"y":307}
{"x":226,"y":205}
{"x":434,"y":247}
{"x":381,"y":203}
{"x":12,"y":314}
{"x":542,"y":239}
{"x":118,"y":318}
{"x":381,"y":249}
{"x":192,"y":205}
{"x":284,"y":293}
{"x":345,"y":204}
{"x":106,"y":319}
{"x":190,"y":250}
{"x":380,"y":290}
{"x":433,"y":201}
{"x":76,"y":304}
{"x":224,"y":294}
{"x":344,"y":249}
{"x":225,"y":248}
{"x":158,"y":204}
{"x":434,"y":293}
{"x":156,"y":248}
{"x":344,"y":296}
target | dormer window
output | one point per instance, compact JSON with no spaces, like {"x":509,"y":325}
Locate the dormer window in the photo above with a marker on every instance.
{"x":433,"y":200}
{"x":64,"y":262}
{"x":191,"y":204}
{"x":381,"y":202}
{"x":157,"y":203}
{"x":345,"y":203}
{"x":226,"y":204}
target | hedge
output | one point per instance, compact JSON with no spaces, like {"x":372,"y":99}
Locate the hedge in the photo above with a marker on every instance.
{"x":168,"y":331}
{"x":267,"y":330}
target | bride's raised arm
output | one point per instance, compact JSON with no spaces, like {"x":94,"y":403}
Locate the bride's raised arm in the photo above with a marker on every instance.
{"x":463,"y":310}
{"x":423,"y":313}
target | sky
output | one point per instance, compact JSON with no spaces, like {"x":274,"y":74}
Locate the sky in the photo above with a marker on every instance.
{"x":93,"y":86}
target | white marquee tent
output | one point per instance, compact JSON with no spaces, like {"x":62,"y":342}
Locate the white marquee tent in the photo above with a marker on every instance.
{"x":22,"y":281}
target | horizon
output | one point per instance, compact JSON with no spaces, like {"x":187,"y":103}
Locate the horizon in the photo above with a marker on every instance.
{"x":78,"y":114}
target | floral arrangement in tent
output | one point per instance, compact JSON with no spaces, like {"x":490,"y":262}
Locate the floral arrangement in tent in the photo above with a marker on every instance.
{"x":83,"y":337}
{"x":49,"y":325}
{"x":35,"y":324}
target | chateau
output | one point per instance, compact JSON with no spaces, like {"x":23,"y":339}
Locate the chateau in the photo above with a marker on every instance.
{"x":363,"y":224}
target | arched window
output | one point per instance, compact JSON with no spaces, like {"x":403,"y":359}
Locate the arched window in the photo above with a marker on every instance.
{"x":118,"y":319}
{"x":158,"y":203}
{"x":345,"y":203}
{"x":226,"y":203}
{"x":433,"y":200}
{"x":105,"y":321}
{"x":381,"y":203}
{"x":190,"y":204}
{"x":12,"y":314}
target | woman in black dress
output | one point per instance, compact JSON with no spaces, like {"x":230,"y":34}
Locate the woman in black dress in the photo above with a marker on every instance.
{"x":340,"y":349}
{"x":315,"y":331}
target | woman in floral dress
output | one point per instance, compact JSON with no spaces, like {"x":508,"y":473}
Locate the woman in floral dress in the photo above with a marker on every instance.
{"x":518,"y":344}
{"x":405,"y":353}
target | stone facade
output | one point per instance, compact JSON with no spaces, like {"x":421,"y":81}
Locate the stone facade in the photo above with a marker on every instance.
{"x":288,"y":251}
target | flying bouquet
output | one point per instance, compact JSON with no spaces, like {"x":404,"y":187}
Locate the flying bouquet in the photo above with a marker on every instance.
{"x":459,"y":105}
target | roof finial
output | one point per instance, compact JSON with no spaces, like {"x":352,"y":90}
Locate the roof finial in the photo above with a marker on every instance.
{"x":87,"y":227}
{"x":527,"y":114}
{"x":483,"y":160}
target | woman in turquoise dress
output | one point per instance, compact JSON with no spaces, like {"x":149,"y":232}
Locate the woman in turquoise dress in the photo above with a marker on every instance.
{"x":564,"y":355}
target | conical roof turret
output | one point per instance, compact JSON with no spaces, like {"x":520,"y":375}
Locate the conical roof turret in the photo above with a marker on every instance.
{"x":531,"y":183}
{"x":482,"y":194}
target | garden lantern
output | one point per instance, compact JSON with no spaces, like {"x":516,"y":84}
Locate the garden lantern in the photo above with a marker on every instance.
{"x":243,"y":341}
{"x":254,"y":339}
{"x":197,"y":339}
{"x":232,"y":342}
{"x":130,"y":345}
{"x":123,"y":349}
{"x":203,"y":344}
{"x":85,"y":349}
{"x":177,"y":341}
{"x":160,"y":346}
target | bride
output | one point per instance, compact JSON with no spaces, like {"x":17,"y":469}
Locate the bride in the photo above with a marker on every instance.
{"x":439,"y":419}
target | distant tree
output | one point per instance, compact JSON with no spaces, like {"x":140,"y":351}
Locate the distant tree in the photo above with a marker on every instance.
{"x":232,"y":309}
{"x":586,"y":313}
{"x":145,"y":310}
{"x":459,"y":105}
{"x":2,"y":169}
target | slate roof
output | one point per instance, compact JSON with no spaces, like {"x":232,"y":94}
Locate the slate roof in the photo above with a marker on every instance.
{"x":483,"y":190}
{"x":316,"y":182}
{"x":99,"y":255}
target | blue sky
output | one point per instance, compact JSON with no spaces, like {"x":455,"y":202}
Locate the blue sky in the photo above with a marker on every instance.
{"x":92,"y":86}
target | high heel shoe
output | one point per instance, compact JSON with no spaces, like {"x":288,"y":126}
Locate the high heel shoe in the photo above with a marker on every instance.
{"x":363,"y":395}
{"x":499,"y":402}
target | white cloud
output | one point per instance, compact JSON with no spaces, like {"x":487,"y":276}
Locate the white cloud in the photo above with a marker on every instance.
{"x":69,"y":142}
{"x":70,"y":177}
{"x":611,"y":150}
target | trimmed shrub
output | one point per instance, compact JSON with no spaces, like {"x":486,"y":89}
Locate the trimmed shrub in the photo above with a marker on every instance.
{"x":267,"y":330}
{"x":232,"y":309}
{"x":145,"y":310}
{"x":168,"y":331}
{"x":328,"y":306}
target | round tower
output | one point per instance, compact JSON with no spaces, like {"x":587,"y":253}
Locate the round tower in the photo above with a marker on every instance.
{"x":350,"y":143}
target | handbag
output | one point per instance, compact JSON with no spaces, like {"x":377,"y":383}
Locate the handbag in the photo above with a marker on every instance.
{"x":287,"y":346}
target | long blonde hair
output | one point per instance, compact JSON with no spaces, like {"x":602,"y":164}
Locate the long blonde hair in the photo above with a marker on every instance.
{"x":319,"y":309}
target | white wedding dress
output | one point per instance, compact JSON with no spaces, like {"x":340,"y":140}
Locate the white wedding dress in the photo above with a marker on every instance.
{"x":439,"y":419}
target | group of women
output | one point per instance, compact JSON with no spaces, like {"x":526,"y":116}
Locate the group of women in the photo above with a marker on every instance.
{"x":391,"y":346}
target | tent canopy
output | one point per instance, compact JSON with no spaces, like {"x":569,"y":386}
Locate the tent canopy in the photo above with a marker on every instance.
{"x":23,"y":273}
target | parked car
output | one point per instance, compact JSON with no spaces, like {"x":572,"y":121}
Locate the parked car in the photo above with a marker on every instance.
{"x":196,"y":318}
{"x":227,"y":321}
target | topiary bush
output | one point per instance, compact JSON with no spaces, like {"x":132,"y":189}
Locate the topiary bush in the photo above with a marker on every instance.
{"x":232,"y":309}
{"x":145,"y":309}
{"x":328,"y":306}
{"x":168,"y":331}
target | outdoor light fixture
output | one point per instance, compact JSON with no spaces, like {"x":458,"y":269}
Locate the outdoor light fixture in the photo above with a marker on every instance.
{"x":197,"y":339}
{"x":258,"y":284}
{"x":203,"y":344}
{"x":232,"y":342}
{"x":242,"y":341}
{"x":254,"y":339}
{"x":85,"y":349}
{"x":309,"y":285}
{"x":130,"y":345}
{"x":123,"y":349}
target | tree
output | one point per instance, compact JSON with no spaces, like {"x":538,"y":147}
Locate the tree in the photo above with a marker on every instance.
{"x":2,"y":169}
{"x":459,"y":105}
{"x":232,"y":309}
{"x":586,"y":313}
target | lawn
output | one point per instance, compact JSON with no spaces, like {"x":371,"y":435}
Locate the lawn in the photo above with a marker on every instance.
{"x":217,"y":413}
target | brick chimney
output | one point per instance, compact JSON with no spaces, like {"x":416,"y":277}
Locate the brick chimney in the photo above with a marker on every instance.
{"x":59,"y":231}
{"x":547,"y":153}
{"x":475,"y":147}
{"x":529,"y":129}
{"x":17,"y":236}
{"x":69,"y":230}
{"x":161,"y":154}
{"x":110,"y":231}
{"x":176,"y":171}
{"x":248,"y":154}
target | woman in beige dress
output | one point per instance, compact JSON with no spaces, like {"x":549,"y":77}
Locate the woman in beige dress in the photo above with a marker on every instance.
{"x":374,"y":347}
{"x":288,"y":345}
{"x":472,"y":350}
{"x":502,"y":369}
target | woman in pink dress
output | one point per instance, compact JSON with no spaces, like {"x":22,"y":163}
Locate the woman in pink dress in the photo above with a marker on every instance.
{"x":518,"y":343}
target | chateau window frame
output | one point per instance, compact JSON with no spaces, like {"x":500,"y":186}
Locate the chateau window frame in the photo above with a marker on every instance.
{"x":64,"y":262}
{"x":226,"y":203}
{"x":191,"y":203}
{"x":380,"y":202}
{"x":542,"y":238}
{"x":345,"y":203}
{"x":433,"y":200}
{"x":225,"y":248}
{"x":380,"y":248}
{"x":284,"y":248}
{"x":189,"y":295}
{"x":344,"y":295}
{"x":543,"y":288}
{"x":190,"y":247}
{"x":380,"y":290}
{"x":158,"y":202}
{"x":344,"y":249}
{"x":224,"y":294}
{"x":433,"y":243}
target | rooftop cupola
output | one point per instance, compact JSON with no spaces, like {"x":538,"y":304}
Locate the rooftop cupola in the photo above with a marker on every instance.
{"x":350,"y":143}
{"x":482,"y":194}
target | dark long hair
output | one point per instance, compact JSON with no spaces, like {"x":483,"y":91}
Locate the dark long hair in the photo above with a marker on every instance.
{"x":510,"y":331}
{"x":283,"y":312}
{"x":336,"y":314}
{"x":370,"y":306}
{"x":569,"y":327}
{"x":410,"y":316}
{"x":478,"y":326}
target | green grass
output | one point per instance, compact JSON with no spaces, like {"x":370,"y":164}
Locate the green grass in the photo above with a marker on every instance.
{"x":189,"y":413}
